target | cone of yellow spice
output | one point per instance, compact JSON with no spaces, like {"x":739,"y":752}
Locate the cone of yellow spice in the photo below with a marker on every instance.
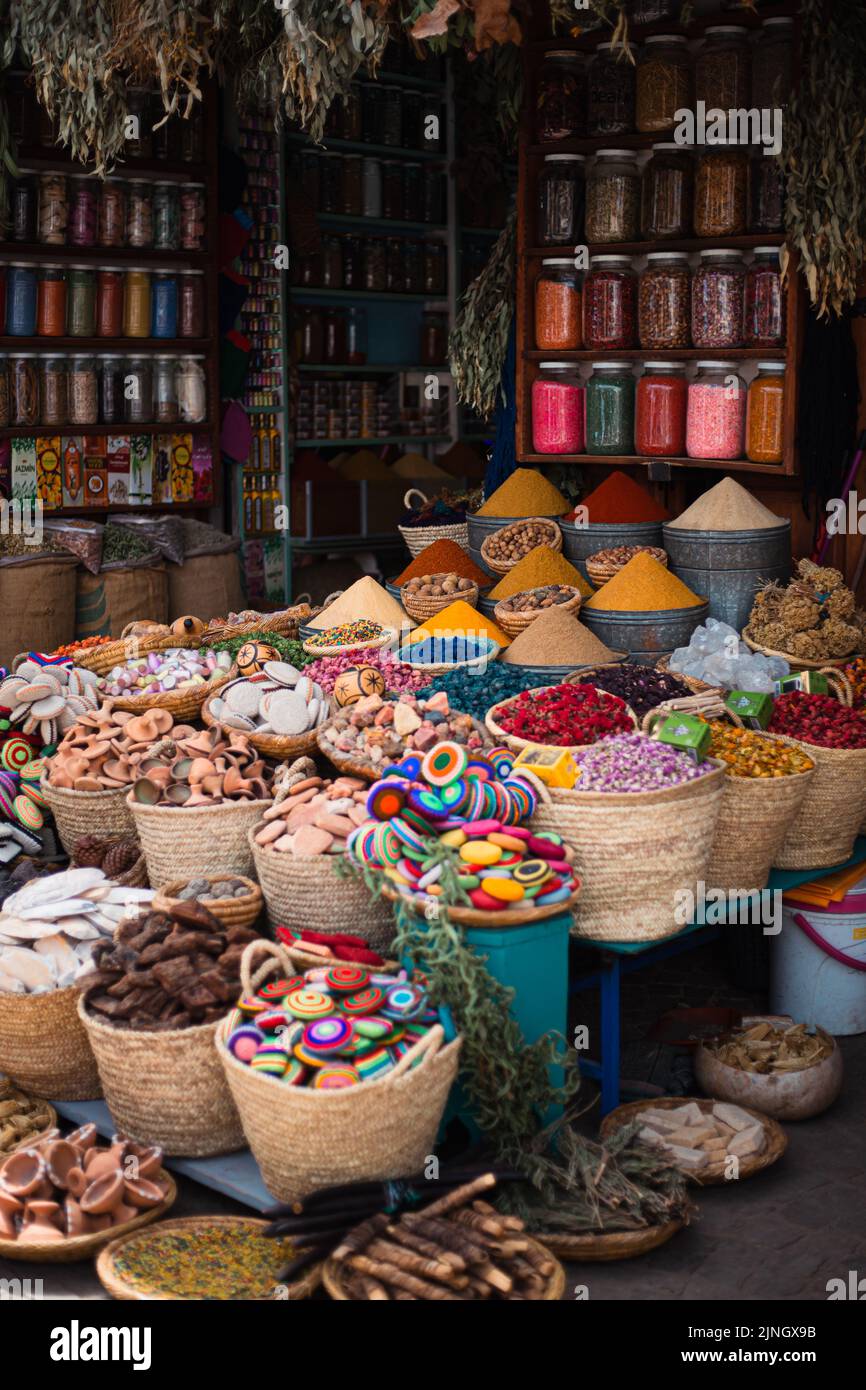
{"x":460,"y":619}
{"x":540,"y":567}
{"x":525,"y":492}
{"x":643,"y":586}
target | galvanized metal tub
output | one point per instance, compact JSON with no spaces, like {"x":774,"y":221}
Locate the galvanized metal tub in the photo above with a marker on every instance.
{"x":546,"y":675}
{"x":728,"y":567}
{"x":645,"y":636}
{"x":579,"y":542}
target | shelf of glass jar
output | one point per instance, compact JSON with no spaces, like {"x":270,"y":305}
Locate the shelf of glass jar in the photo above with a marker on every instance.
{"x":47,"y":301}
{"x":42,"y":392}
{"x":52,"y":210}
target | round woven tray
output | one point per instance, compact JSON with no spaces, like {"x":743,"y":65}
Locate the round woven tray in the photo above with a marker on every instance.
{"x":418,"y":538}
{"x":333,"y":1277}
{"x":85,"y":1247}
{"x":551,"y":530}
{"x":421,"y":606}
{"x":714,"y":1174}
{"x":232,"y":912}
{"x":513,"y":623}
{"x":354,"y":766}
{"x":435,"y":668}
{"x":602,"y":1246}
{"x":508,"y":917}
{"x":279,"y":747}
{"x":119,"y":1286}
{"x":284,"y":624}
{"x":50,"y":1121}
{"x":374,"y":644}
{"x":183,"y":705}
{"x":600,"y":570}
{"x":516,"y":742}
{"x":798,"y":663}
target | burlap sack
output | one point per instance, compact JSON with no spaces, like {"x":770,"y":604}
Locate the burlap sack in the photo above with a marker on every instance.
{"x":37,"y":603}
{"x":123,"y":592}
{"x":208,"y":585}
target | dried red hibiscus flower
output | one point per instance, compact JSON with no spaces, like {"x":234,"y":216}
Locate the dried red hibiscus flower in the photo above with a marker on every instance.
{"x":564,"y":715}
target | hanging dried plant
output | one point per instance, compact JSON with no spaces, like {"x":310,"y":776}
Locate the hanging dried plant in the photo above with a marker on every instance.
{"x":824,"y":154}
{"x":479,"y":339}
{"x":249,"y":39}
{"x":169,"y":42}
{"x":326,"y":43}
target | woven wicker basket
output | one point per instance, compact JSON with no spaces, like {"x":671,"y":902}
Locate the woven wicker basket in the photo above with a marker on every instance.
{"x":696,"y":686}
{"x":44,"y":1048}
{"x":83,"y":813}
{"x":715,"y":1174}
{"x":420,"y":606}
{"x":548,"y":525}
{"x":635,"y":853}
{"x":192,"y":842}
{"x":76,"y":1248}
{"x":101,"y":660}
{"x":286,"y":623}
{"x":601,"y":568}
{"x":604,"y":1246}
{"x":475,"y":663}
{"x":388,"y":636}
{"x":335,"y":1279}
{"x":829,"y":820}
{"x":232,"y":912}
{"x":165,"y":1088}
{"x":418,"y":538}
{"x":513,"y":623}
{"x":279,"y":747}
{"x":136,"y":877}
{"x":305,"y":890}
{"x":516,"y":743}
{"x":796,"y":663}
{"x":303,"y":1139}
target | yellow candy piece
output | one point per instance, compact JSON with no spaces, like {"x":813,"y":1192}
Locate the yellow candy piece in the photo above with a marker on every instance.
{"x":509,"y":842}
{"x":395,"y":876}
{"x":505,"y":889}
{"x":480,"y":852}
{"x":454,"y":838}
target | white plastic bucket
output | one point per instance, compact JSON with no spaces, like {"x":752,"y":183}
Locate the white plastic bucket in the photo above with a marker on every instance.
{"x":818,"y":963}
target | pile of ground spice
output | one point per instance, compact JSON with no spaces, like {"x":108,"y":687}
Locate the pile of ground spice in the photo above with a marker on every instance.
{"x":555,"y":638}
{"x":541,"y":566}
{"x":727,"y":507}
{"x":643,"y":586}
{"x":460,"y":617}
{"x":525,"y":492}
{"x":620,"y":499}
{"x":364,"y":599}
{"x":444,"y":557}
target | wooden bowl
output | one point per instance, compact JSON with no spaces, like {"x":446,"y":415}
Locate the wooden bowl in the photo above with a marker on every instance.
{"x":790,"y":1095}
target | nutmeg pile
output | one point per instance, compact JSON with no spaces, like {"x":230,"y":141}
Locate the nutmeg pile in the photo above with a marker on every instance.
{"x":513,"y":542}
{"x":436,"y":586}
{"x":535,"y":600}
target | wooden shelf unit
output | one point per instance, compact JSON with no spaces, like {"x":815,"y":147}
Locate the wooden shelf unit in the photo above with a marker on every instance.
{"x":530,"y":255}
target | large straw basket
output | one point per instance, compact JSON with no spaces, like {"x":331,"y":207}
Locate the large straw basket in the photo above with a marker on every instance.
{"x":418,"y":538}
{"x":796,"y":663}
{"x":422,"y":606}
{"x":165,"y":1087}
{"x":279,"y":747}
{"x":285,"y":623}
{"x":103,"y":659}
{"x":86,"y":813}
{"x":829,"y":819}
{"x":756,"y":814}
{"x":44,"y":1048}
{"x":385,"y":639}
{"x":635,"y":853}
{"x":513,"y":622}
{"x":232,"y":912}
{"x":192,"y":842}
{"x":602,"y":566}
{"x":516,"y":743}
{"x":552,"y":538}
{"x":303,"y":1139}
{"x":306,"y":890}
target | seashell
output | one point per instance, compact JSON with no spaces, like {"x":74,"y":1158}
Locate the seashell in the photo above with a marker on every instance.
{"x":81,"y":929}
{"x":26,"y":966}
{"x":239,"y":721}
{"x":53,"y":912}
{"x":58,"y":950}
{"x":25,"y":929}
{"x":10,"y":984}
{"x":54,"y":888}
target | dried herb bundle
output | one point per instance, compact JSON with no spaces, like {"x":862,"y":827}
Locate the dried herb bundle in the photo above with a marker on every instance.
{"x":322,"y":53}
{"x":479,"y":339}
{"x":169,"y":41}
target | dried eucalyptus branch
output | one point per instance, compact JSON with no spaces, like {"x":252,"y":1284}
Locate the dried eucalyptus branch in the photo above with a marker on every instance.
{"x":169,"y":42}
{"x":479,"y":339}
{"x":326,"y":43}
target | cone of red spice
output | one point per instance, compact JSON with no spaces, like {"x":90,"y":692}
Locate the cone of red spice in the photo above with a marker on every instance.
{"x":443,"y":557}
{"x":620,"y":499}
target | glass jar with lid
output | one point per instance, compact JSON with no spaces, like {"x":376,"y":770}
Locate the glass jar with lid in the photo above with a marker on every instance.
{"x":191,"y":313}
{"x":24,"y":208}
{"x":434,"y":338}
{"x":413,"y":267}
{"x":192,"y":389}
{"x":773,"y":64}
{"x":332,"y":263}
{"x":51,"y":301}
{"x":766,"y":194}
{"x":765,"y":301}
{"x":610,"y":94}
{"x":431,"y":129}
{"x":165,"y":405}
{"x":435,"y":268}
{"x":351,"y":116}
{"x":192,"y":217}
{"x":718,"y":287}
{"x":613,"y":197}
{"x":560,"y":108}
{"x":24,"y":388}
{"x":83,"y":212}
{"x":21,"y":296}
{"x":721,"y":187}
{"x":81,"y":302}
{"x":413,"y":125}
{"x":558,"y":304}
{"x":140,"y":104}
{"x":167,"y":140}
{"x":395,"y":269}
{"x":393,"y":190}
{"x":392,"y":116}
{"x":663,"y":82}
{"x":372,"y":201}
{"x":723,"y":68}
{"x":111,"y":223}
{"x":373,"y":96}
{"x":413,"y":193}
{"x":356,"y":337}
{"x":610,"y":304}
{"x":139,"y":214}
{"x":53,"y":384}
{"x":136,"y":303}
{"x":353,"y":184}
{"x":5,"y":400}
{"x":163,"y":304}
{"x":138,"y":391}
{"x":664,"y":301}
{"x":660,"y":410}
{"x":166,"y":217}
{"x":375,"y":276}
{"x":353,"y":262}
{"x":83,"y":391}
{"x":53,"y":209}
{"x":716,"y":412}
{"x":558,"y":410}
{"x":562,"y":200}
{"x":111,"y":369}
{"x":667,"y":192}
{"x":192,"y":136}
{"x":610,"y":395}
{"x":652,"y":11}
{"x":765,"y":411}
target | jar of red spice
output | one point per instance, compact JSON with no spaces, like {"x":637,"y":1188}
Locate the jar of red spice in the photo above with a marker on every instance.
{"x":83,"y":212}
{"x":192,"y":217}
{"x":664,"y":301}
{"x":51,"y":301}
{"x":560,"y":108}
{"x":557,"y":304}
{"x":718,"y":287}
{"x":766,"y":301}
{"x":190,"y":304}
{"x":610,"y":303}
{"x":558,"y":410}
{"x":660,"y":410}
{"x":109,"y":302}
{"x":716,"y":412}
{"x":111,"y":224}
{"x":765,"y":406}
